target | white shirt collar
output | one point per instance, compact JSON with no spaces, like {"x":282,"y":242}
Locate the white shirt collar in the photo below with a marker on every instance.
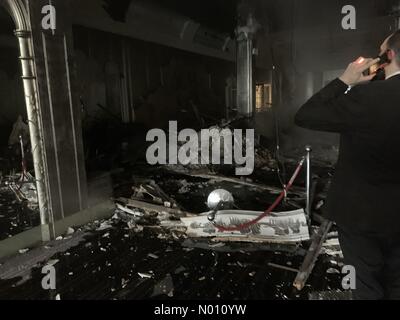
{"x":392,"y":75}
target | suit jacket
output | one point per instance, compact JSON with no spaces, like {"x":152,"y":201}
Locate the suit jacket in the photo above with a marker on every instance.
{"x":365,"y":191}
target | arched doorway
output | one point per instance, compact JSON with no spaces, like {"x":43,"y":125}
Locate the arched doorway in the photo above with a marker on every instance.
{"x":18,"y":12}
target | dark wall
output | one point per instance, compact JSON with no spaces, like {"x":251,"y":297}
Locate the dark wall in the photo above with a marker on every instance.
{"x":308,"y":46}
{"x":162,"y":81}
{"x":12,"y":103}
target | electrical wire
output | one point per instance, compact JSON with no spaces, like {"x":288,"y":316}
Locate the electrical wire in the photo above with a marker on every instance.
{"x":281,"y":173}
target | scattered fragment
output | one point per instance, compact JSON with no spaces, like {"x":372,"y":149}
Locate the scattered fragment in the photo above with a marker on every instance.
{"x":167,"y":204}
{"x":217,"y":245}
{"x":52,"y":262}
{"x":180,"y":270}
{"x":104,"y":226}
{"x":135,"y":227}
{"x":124,"y":283}
{"x":115,"y":217}
{"x":320,"y":204}
{"x":145,"y":275}
{"x":164,"y":287}
{"x":162,"y":216}
{"x":129,"y":211}
{"x":333,"y":271}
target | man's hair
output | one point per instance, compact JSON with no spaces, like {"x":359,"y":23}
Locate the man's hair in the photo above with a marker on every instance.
{"x":394,"y":44}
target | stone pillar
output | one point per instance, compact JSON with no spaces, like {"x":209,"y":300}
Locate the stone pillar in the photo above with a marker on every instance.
{"x":52,"y":108}
{"x":244,"y":58}
{"x":59,"y":113}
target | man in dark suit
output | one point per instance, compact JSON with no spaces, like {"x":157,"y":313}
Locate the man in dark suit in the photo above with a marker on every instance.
{"x":364,"y":199}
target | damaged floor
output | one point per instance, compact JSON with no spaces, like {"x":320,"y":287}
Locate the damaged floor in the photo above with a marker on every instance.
{"x":115,"y":262}
{"x":15,"y":217}
{"x":124,"y":258}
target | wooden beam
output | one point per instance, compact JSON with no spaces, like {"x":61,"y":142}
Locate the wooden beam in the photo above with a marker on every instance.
{"x":312,"y":255}
{"x":153,"y":207}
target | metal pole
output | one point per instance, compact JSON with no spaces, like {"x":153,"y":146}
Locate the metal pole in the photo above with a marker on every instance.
{"x":308,"y":180}
{"x":29,"y":81}
{"x":23,"y":160}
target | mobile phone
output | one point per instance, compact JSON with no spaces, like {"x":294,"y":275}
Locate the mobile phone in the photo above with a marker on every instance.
{"x":384,"y":58}
{"x":378,"y":68}
{"x":379,"y":75}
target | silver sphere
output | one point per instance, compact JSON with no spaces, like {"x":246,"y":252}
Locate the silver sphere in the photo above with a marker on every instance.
{"x":220,"y":199}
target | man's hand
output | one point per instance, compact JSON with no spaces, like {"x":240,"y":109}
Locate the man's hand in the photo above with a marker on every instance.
{"x":354,"y":72}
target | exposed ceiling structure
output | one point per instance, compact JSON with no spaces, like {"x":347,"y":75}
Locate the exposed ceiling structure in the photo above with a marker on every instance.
{"x":149,"y":21}
{"x":216,"y":14}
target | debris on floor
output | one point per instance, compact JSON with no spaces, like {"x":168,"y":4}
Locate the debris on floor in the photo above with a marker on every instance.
{"x":24,"y":187}
{"x":164,"y":287}
{"x":17,"y":214}
{"x":159,"y":240}
{"x":104,"y":264}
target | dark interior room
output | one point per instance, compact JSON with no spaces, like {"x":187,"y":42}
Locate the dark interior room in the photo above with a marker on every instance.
{"x":213,"y":150}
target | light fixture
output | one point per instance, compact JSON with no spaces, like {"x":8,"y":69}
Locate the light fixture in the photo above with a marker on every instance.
{"x":219,"y":200}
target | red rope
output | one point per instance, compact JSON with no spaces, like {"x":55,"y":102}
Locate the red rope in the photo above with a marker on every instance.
{"x":247,"y":225}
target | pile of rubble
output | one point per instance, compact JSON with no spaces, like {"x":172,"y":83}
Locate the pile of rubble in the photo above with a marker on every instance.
{"x":150,"y":207}
{"x":23,"y":186}
{"x":263,"y":158}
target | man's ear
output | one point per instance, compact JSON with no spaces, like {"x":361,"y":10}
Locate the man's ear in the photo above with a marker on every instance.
{"x":391,"y":55}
